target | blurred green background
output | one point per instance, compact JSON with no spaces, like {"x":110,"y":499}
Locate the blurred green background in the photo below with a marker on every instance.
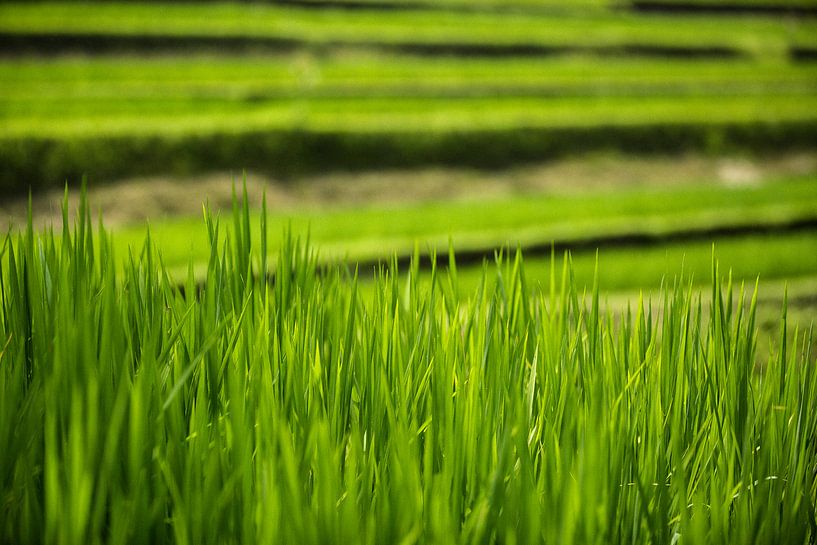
{"x":654,"y":132}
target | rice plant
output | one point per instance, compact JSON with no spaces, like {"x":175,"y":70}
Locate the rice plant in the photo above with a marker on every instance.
{"x":284,"y":401}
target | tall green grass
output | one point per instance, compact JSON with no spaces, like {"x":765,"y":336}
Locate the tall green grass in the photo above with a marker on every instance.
{"x":276,"y":404}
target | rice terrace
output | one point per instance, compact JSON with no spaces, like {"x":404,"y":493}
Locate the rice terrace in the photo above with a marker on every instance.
{"x":408,"y":272}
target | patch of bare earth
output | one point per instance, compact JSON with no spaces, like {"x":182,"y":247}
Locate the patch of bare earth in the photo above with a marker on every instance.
{"x":134,"y":200}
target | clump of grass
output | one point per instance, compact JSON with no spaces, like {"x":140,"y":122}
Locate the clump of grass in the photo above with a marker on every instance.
{"x":284,"y":406}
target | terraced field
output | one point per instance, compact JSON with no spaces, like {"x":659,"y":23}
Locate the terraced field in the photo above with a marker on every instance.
{"x":293,"y":89}
{"x":470,"y":271}
{"x":409,"y":28}
{"x":477,"y":225}
{"x":120,"y":89}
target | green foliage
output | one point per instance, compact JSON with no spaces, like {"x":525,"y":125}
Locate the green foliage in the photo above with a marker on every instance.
{"x":448,"y":82}
{"x":369,"y":141}
{"x":375,"y":231}
{"x":288,"y":408}
{"x":288,"y":25}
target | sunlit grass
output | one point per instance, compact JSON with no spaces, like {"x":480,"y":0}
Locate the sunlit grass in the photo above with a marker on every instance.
{"x":376,"y":231}
{"x":755,"y":35}
{"x":286,"y":408}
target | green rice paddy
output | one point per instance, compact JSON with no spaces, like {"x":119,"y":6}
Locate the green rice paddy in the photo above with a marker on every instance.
{"x":275,"y":404}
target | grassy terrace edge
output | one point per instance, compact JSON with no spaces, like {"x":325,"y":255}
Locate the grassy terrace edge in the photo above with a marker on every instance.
{"x":255,"y":77}
{"x":299,"y":26}
{"x":621,"y":219}
{"x":289,"y":409}
{"x":40,"y":163}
